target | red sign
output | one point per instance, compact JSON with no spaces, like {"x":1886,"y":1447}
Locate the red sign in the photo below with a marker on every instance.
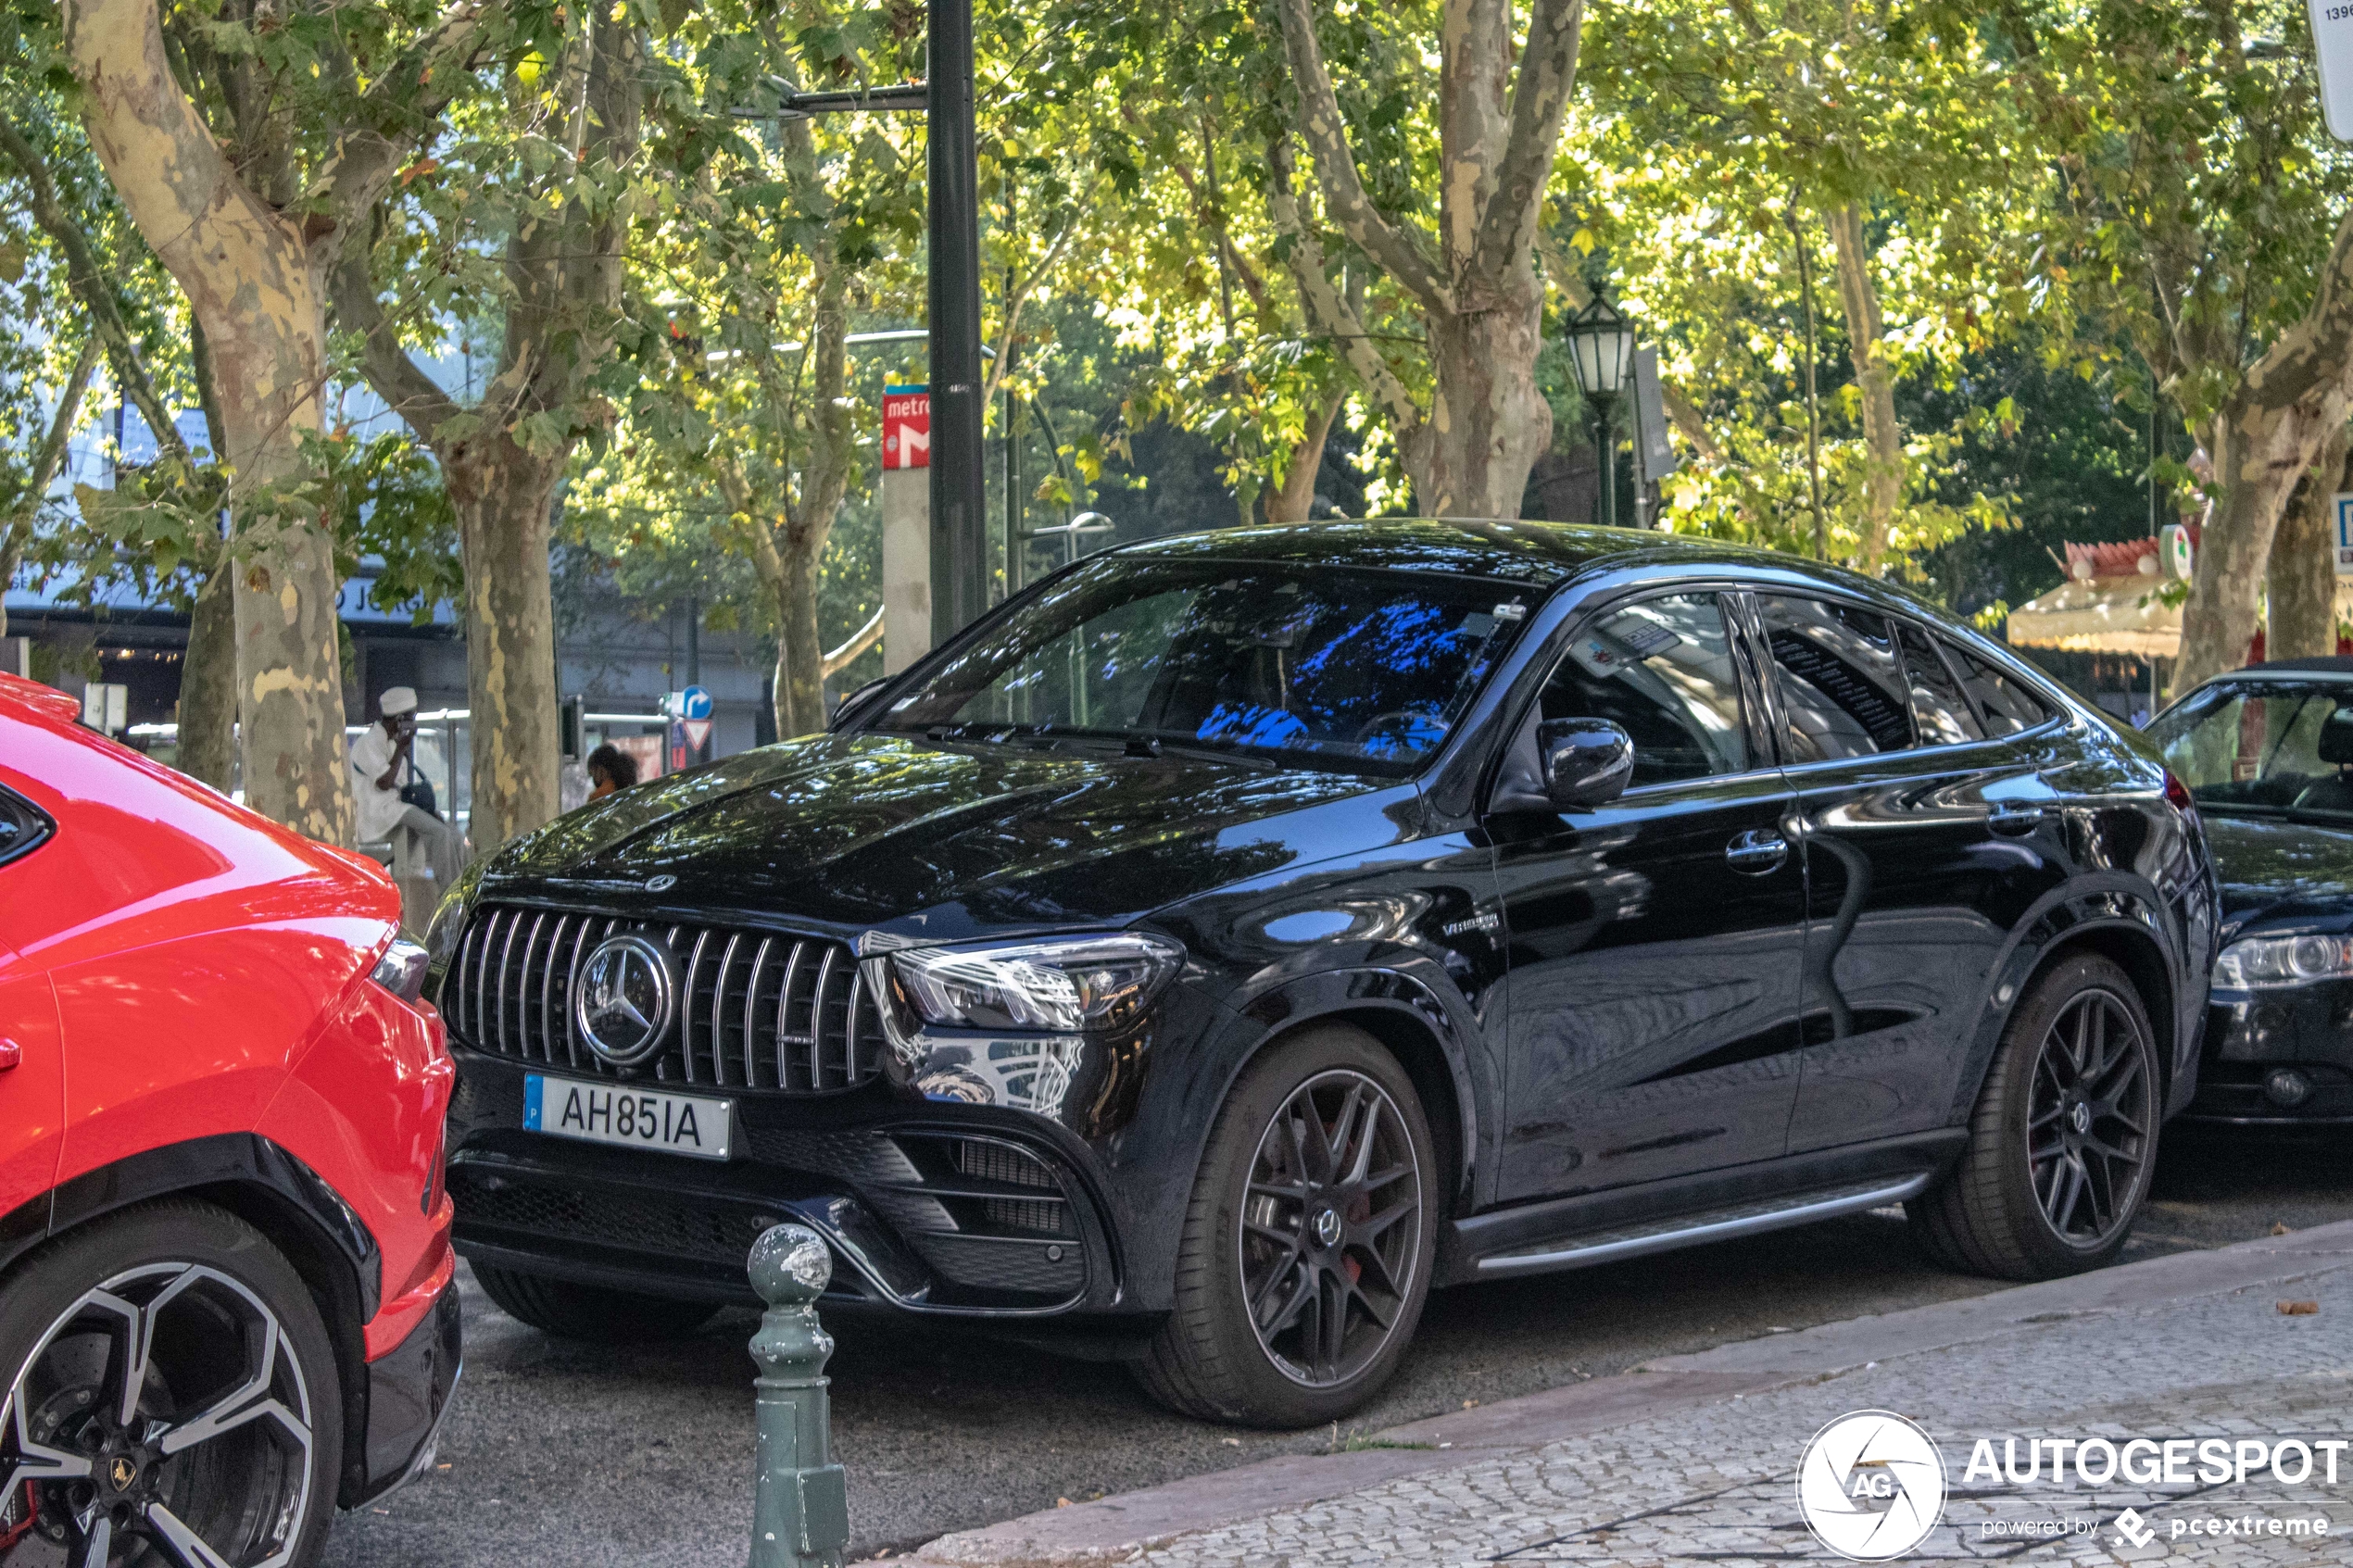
{"x":906,"y":427}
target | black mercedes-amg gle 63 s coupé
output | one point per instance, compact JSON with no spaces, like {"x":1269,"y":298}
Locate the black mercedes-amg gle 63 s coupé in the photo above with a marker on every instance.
{"x":1232,"y":937}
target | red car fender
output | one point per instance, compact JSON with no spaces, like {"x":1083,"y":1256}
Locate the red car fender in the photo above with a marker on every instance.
{"x":381,"y":1151}
{"x":205,"y":974}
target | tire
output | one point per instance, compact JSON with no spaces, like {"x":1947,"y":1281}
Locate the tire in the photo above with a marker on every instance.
{"x":252,"y":1419}
{"x":2044,"y":1188}
{"x":1296,"y":1256}
{"x":590,"y":1311}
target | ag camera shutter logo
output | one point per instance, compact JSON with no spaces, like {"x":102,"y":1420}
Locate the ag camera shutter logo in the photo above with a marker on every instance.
{"x":1871,"y":1485}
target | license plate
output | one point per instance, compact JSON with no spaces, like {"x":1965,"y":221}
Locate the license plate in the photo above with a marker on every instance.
{"x":633,"y":1117}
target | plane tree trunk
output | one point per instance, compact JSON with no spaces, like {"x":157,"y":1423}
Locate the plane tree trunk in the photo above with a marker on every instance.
{"x":1875,"y":379}
{"x":2301,"y":575}
{"x":253,"y":267}
{"x":1473,"y":282}
{"x":564,"y":272}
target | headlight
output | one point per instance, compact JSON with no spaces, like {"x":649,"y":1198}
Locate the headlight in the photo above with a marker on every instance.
{"x":2261,"y":962}
{"x":1065,"y":985}
{"x":402,"y":969}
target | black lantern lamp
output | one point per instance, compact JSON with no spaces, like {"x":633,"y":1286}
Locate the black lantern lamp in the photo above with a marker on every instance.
{"x":1602,"y":342}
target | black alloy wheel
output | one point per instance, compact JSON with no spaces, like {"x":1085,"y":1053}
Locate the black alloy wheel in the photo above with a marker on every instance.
{"x":1330,"y":1233}
{"x":2063,"y":1141}
{"x":2091,"y":1112}
{"x":1309,"y":1241}
{"x":175,"y":1409}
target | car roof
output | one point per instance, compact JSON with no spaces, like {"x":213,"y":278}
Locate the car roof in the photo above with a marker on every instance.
{"x":2334,"y":664}
{"x":1538,"y":554}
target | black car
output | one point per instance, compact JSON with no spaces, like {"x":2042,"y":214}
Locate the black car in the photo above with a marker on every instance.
{"x":2268,"y":752}
{"x":1233,"y":936}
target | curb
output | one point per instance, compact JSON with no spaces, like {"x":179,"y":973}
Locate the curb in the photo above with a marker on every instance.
{"x":1116,"y":1528}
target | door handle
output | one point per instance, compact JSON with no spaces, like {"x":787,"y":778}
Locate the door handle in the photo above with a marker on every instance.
{"x":1756,"y":851}
{"x":11,"y":1053}
{"x":2012,"y":817}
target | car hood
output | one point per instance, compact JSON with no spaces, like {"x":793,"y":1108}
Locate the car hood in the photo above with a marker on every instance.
{"x":942,"y":841}
{"x":2281,"y":873}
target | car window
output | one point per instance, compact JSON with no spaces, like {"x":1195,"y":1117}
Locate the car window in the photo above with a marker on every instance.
{"x":1341,"y":667}
{"x":2007,"y":703}
{"x":1940,"y":709}
{"x":21,"y":826}
{"x":1842,"y":688}
{"x":2263,"y":748}
{"x":1662,"y":670}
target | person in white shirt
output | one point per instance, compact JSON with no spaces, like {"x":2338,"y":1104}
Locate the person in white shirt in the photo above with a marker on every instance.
{"x":383,"y":759}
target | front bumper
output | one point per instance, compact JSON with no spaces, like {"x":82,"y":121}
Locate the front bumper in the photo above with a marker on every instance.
{"x":932,"y":1209}
{"x":409,"y":1389}
{"x":2250,"y":1038}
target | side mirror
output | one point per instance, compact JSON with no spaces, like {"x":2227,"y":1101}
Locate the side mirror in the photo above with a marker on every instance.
{"x":1588,"y":762}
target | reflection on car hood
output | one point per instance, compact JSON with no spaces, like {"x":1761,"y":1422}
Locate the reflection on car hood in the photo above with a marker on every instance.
{"x":2279,"y":871}
{"x":950,"y":840}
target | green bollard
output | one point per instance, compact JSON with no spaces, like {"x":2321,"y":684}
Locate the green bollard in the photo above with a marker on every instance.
{"x":800,"y":1512}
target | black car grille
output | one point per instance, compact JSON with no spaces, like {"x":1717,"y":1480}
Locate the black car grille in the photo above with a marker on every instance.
{"x":688,"y":1227}
{"x":757,"y":1009}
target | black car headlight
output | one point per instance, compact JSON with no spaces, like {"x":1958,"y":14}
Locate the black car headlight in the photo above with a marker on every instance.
{"x":448,"y":921}
{"x":401,"y":970}
{"x":1058,"y":985}
{"x":2261,"y":963}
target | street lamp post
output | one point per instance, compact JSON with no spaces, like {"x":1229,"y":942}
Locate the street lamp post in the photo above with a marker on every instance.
{"x":959,"y":499}
{"x":1602,"y":342}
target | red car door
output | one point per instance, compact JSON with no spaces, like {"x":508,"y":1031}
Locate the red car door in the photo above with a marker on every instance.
{"x":33,"y":1082}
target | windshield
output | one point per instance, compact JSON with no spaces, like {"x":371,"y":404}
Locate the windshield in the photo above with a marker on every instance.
{"x":1359,"y":669}
{"x":2267,"y":749}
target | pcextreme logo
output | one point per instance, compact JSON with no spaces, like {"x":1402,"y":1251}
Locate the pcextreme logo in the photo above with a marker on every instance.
{"x":1871,"y":1485}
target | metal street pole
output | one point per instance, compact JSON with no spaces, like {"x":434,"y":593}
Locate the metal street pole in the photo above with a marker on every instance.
{"x":1604,"y":451}
{"x":959,"y":490}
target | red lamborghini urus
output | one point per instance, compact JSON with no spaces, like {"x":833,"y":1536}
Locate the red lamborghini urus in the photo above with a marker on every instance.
{"x":225,"y":1299}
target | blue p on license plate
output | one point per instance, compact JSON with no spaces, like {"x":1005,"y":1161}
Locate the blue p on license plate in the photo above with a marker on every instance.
{"x":624,"y":1114}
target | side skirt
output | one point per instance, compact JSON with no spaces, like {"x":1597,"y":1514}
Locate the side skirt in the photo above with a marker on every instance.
{"x":1601,"y":1227}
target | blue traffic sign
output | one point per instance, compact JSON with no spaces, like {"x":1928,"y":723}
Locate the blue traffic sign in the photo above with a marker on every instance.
{"x":694,"y":703}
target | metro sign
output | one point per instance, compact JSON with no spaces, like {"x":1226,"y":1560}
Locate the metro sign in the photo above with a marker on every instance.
{"x":906,"y":427}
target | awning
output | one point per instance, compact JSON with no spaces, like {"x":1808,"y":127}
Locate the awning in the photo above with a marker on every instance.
{"x":2104,"y":615}
{"x":2117,"y":615}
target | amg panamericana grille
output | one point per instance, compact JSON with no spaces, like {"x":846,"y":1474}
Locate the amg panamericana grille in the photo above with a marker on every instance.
{"x":757,"y":1009}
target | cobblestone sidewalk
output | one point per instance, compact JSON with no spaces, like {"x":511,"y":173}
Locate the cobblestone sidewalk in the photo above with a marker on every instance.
{"x":1715,"y":1484}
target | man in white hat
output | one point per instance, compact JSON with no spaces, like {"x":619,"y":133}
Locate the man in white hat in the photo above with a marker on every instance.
{"x":383,"y":763}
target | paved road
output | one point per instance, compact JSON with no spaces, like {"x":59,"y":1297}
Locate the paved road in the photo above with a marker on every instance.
{"x":590,"y":1456}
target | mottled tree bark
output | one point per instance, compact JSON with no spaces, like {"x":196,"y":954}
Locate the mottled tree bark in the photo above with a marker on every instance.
{"x":787,"y":552}
{"x":2264,"y":436}
{"x":2301,"y":575}
{"x":209,"y":670}
{"x":1469,"y":452}
{"x":245,"y":271}
{"x":505,"y":497}
{"x":564,"y":274}
{"x":1292,"y":500}
{"x":1875,"y":379}
{"x":253,"y":275}
{"x":208,"y":715}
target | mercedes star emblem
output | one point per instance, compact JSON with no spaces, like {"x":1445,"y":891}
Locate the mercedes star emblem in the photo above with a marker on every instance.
{"x":661,"y":883}
{"x":624,"y":999}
